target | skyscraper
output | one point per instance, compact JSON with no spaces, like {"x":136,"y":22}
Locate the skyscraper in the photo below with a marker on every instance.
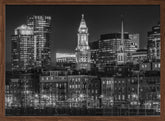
{"x":116,"y":48}
{"x":31,"y":44}
{"x":108,"y":46}
{"x":83,"y":55}
{"x":94,"y":48}
{"x":41,"y":27}
{"x":154,"y":43}
{"x":135,"y":40}
{"x":22,"y":48}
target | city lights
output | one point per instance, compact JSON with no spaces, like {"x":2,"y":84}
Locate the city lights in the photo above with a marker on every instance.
{"x":111,"y":75}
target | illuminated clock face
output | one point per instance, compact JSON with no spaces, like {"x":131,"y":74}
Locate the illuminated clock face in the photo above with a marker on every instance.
{"x":83,"y":30}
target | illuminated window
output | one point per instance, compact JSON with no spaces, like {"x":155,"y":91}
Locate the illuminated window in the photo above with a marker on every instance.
{"x":123,"y":97}
{"x":129,"y":96}
{"x":132,"y":80}
{"x":119,"y":97}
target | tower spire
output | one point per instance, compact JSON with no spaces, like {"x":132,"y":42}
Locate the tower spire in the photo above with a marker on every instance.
{"x":122,"y":29}
{"x":82,"y":16}
{"x":82,"y":24}
{"x":121,"y":55}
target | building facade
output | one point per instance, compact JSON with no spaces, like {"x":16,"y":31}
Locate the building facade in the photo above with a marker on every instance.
{"x":108,"y":46}
{"x":20,"y":91}
{"x":139,"y":56}
{"x":94,"y":48}
{"x":107,"y":92}
{"x":22,"y":47}
{"x":120,"y":91}
{"x":53,"y":91}
{"x":41,"y":26}
{"x":84,"y":91}
{"x":31,"y":44}
{"x":66,"y":57}
{"x":154,"y":43}
{"x":117,"y":48}
{"x":150,"y":66}
{"x":144,"y":88}
{"x":66,"y":61}
{"x":135,"y":37}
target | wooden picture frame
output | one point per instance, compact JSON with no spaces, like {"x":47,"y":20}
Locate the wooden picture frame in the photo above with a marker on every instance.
{"x":79,"y":2}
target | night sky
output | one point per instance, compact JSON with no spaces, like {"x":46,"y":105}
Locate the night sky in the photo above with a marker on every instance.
{"x":99,"y":19}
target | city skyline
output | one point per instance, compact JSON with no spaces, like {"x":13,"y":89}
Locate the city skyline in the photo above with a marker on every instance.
{"x":110,"y":76}
{"x":67,"y":24}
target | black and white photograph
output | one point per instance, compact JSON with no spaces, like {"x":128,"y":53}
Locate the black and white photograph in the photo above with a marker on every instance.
{"x":82,"y":60}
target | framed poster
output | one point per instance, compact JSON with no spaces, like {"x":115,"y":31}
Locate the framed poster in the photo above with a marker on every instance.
{"x":82,"y":60}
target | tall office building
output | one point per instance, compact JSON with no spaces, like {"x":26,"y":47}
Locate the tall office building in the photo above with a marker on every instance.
{"x":31,"y":44}
{"x":154,"y":43}
{"x":41,"y":27}
{"x":135,"y":40}
{"x":22,"y":47}
{"x":83,"y":55}
{"x":116,"y":48}
{"x":108,"y":45}
{"x":94,"y":48}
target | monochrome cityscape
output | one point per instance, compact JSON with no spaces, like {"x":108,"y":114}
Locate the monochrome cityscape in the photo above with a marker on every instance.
{"x":110,"y":76}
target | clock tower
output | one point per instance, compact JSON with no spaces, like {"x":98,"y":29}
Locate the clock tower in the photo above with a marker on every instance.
{"x":83,"y":55}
